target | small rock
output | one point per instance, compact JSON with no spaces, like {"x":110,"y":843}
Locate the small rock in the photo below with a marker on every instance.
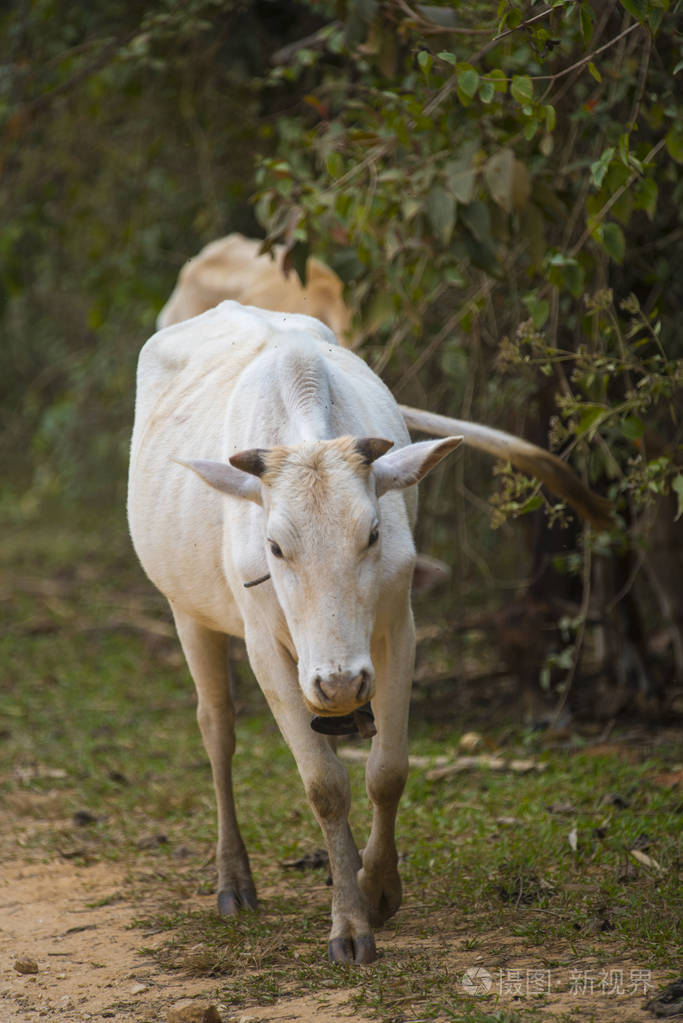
{"x":82,"y":818}
{"x":190,"y":1010}
{"x":137,"y":989}
{"x":25,"y":965}
{"x":152,"y":841}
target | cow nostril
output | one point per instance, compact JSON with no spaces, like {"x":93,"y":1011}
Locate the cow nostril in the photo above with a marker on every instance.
{"x":318,"y":686}
{"x":364,"y":684}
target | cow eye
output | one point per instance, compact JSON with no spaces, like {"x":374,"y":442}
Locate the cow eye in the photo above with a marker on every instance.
{"x":374,"y":535}
{"x":275,"y":549}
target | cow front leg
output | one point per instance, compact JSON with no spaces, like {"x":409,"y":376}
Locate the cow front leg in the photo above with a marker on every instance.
{"x":206,"y":653}
{"x":387,"y":770}
{"x":326,"y":783}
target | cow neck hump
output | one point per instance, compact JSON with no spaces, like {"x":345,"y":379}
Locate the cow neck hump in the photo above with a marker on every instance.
{"x":304,"y":383}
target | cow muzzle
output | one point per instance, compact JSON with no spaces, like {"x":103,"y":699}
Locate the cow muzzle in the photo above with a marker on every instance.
{"x":341,"y":690}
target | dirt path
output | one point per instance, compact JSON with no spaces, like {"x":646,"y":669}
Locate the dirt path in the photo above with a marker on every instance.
{"x":75,"y":924}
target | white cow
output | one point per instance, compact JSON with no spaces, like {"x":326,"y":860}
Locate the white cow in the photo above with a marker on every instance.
{"x":292,"y":433}
{"x":232,"y":268}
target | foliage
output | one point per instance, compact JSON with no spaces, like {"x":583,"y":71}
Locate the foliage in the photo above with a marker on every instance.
{"x":464,"y":188}
{"x":128,"y":138}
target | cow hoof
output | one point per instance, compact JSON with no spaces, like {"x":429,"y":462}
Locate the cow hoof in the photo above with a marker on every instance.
{"x":347,"y":950}
{"x":384,"y":910}
{"x":366,"y":952}
{"x":231,"y":901}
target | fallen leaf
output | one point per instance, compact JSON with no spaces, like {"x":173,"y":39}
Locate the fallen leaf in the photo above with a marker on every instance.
{"x":645,"y":860}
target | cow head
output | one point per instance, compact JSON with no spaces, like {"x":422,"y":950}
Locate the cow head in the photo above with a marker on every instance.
{"x":324,"y":539}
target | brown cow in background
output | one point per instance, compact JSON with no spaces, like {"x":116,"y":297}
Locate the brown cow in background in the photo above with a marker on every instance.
{"x":233,"y":268}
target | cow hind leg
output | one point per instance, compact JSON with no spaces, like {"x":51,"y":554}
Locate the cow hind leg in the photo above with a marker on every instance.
{"x":206,"y":653}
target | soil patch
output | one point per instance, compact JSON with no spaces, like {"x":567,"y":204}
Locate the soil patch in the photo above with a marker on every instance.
{"x":76,"y":924}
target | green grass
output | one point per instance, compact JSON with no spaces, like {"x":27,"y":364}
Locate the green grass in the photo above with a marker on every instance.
{"x":100,"y":758}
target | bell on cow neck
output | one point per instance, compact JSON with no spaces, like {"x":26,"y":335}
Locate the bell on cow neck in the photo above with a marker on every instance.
{"x":360,"y":722}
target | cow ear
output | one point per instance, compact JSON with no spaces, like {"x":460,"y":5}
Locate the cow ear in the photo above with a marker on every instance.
{"x":226,"y":478}
{"x":399,"y":469}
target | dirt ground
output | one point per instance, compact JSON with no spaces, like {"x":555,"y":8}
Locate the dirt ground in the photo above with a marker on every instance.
{"x":75,"y":923}
{"x":89,"y":959}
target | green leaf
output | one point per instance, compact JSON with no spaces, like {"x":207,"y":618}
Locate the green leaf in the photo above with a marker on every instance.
{"x":624,"y":148}
{"x":530,"y":129}
{"x":460,"y":175}
{"x":297,"y":258}
{"x":539,"y":309}
{"x":522,"y":88}
{"x":600,"y":167}
{"x":449,"y":57}
{"x":632,"y":427}
{"x":410,"y":208}
{"x":674,"y":142}
{"x":566,"y":272}
{"x":334,"y":164}
{"x":441,"y":213}
{"x":425,"y":60}
{"x":499,"y":79}
{"x":486,"y":91}
{"x":637,"y":8}
{"x":453,"y":275}
{"x":613,"y":241}
{"x":677,"y":487}
{"x":586,"y":21}
{"x":589,"y":419}
{"x":531,"y":504}
{"x":645,"y":194}
{"x":574,"y":278}
{"x":498,"y":174}
{"x":477,"y":220}
{"x":468,"y":81}
{"x":593,"y":71}
{"x":508,"y":180}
